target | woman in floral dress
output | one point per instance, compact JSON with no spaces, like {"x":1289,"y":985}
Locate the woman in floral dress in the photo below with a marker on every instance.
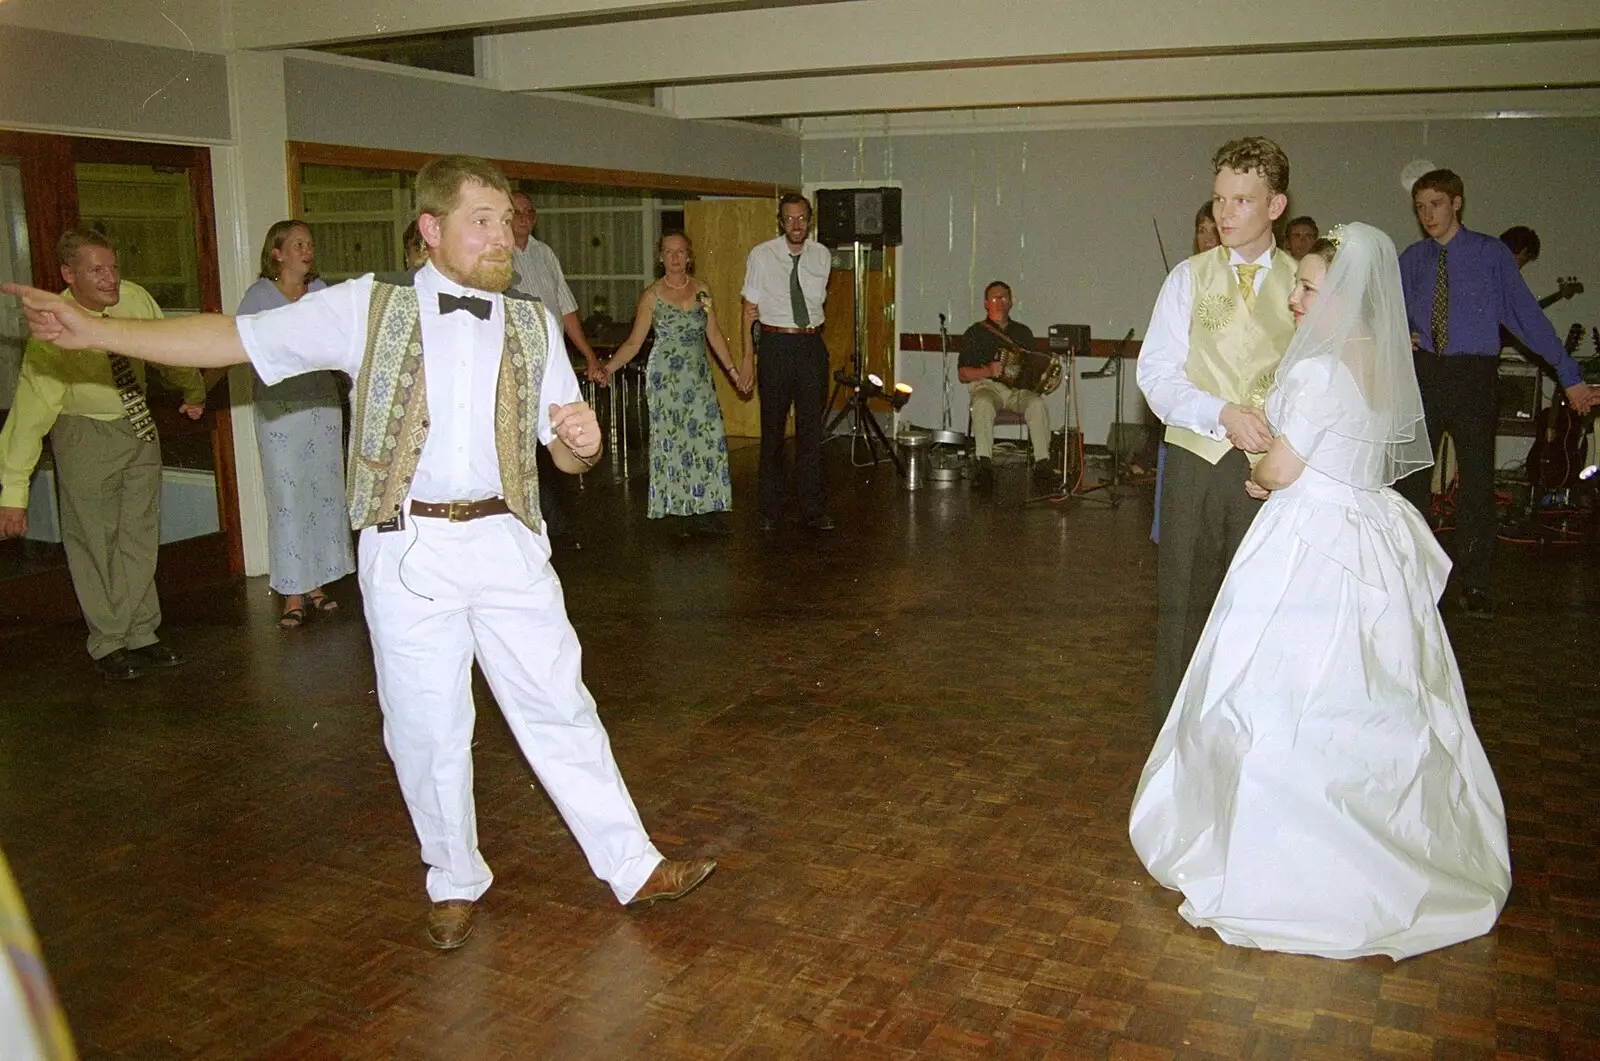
{"x":688,"y":449}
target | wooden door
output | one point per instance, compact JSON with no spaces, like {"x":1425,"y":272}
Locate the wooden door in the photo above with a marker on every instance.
{"x":723,"y":232}
{"x":55,"y":172}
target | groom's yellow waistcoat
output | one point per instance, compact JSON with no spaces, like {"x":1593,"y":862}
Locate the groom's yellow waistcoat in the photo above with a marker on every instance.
{"x":1233,"y":351}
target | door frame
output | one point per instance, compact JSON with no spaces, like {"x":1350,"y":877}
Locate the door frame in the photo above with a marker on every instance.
{"x":50,"y":195}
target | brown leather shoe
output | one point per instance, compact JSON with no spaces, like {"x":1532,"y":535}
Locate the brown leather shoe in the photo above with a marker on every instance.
{"x":673,"y":879}
{"x":450,"y":923}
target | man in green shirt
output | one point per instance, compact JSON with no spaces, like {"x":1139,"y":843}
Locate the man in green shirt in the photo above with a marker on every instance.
{"x":107,"y":461}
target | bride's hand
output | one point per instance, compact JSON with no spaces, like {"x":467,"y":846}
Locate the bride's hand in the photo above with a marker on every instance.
{"x":1256,"y":490}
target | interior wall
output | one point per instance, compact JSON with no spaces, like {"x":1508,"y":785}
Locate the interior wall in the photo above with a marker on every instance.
{"x":380,"y":109}
{"x":94,"y":86}
{"x":1068,"y":217}
{"x":182,"y":24}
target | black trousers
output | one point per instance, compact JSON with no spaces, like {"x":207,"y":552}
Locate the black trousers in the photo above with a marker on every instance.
{"x":1460,"y":394}
{"x":792,"y":371}
{"x":1204,"y":515}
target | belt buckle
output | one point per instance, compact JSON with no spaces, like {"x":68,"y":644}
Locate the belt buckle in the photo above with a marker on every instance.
{"x":459,"y":511}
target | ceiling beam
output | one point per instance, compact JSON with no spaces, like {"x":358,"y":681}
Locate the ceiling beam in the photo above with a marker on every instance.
{"x":309,"y":23}
{"x":872,"y":35}
{"x":1379,"y":71}
{"x":1544,"y":103}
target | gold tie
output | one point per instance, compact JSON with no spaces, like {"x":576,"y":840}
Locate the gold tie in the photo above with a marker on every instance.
{"x":1247,"y":284}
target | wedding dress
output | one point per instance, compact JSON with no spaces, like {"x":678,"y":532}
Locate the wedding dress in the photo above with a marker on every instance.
{"x":1318,"y":787}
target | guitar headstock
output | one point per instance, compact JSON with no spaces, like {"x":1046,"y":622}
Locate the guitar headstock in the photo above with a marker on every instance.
{"x":1568,"y":287}
{"x":1574,"y":337}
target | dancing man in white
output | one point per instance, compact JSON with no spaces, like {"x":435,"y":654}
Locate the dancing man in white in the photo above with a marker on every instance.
{"x":1318,"y":787}
{"x":443,"y":486}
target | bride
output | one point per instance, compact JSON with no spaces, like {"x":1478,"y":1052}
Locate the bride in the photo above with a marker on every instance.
{"x":1318,"y":787}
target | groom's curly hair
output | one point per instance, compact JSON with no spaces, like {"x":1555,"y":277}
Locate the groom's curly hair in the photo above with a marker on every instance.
{"x":1255,"y":153}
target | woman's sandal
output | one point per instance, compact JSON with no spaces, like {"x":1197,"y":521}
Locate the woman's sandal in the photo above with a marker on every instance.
{"x":323,"y":603}
{"x":291,"y":618}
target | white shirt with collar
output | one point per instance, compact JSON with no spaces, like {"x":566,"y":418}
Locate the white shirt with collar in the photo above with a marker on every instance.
{"x":538,"y":273}
{"x":766,"y":280}
{"x":1171,"y":395}
{"x":461,"y":361}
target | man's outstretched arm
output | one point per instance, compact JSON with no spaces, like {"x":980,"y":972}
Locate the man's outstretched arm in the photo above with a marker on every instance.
{"x":209,"y":340}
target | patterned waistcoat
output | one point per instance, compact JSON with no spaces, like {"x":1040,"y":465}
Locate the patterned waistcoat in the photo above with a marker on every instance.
{"x":389,"y":422}
{"x":1233,"y":351}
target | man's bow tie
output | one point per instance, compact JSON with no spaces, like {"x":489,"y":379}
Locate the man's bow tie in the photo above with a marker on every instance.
{"x":478,"y":307}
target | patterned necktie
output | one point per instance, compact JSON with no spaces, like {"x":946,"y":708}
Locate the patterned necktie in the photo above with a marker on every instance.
{"x":1441,"y":305}
{"x":1247,"y":284}
{"x":797,"y":297}
{"x":132,"y":396}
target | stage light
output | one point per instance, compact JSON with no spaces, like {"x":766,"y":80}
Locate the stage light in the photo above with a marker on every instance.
{"x":1589,"y":472}
{"x":900,"y":395}
{"x":874,"y":384}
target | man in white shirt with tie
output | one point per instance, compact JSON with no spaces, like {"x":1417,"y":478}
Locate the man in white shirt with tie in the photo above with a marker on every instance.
{"x":785,"y":286}
{"x":536,"y":272}
{"x":1220,"y":327}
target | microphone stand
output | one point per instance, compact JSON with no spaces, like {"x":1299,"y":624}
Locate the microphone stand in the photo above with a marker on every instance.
{"x":946,"y":435}
{"x":1112,"y":367}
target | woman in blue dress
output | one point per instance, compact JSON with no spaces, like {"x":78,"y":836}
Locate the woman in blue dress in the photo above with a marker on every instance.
{"x":300,"y":433}
{"x":688,"y":449}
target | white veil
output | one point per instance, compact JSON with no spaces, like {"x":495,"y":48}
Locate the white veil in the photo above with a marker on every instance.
{"x":1346,"y":397}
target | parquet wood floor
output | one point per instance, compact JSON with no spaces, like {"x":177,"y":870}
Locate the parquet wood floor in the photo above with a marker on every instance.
{"x":911,"y":744}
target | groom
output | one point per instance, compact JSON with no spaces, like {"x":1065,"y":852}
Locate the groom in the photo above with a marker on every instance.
{"x":1221,"y":324}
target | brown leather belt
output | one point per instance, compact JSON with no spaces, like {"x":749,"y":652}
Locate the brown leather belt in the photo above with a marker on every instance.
{"x":791,"y":331}
{"x":461,"y":511}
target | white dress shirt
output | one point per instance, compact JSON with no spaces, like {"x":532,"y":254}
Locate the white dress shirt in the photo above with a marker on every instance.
{"x":766,"y":281}
{"x":461,"y":365}
{"x":538,"y":273}
{"x":1172,"y":396}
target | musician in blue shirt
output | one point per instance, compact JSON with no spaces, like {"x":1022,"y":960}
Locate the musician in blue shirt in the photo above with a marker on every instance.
{"x":1461,"y":287}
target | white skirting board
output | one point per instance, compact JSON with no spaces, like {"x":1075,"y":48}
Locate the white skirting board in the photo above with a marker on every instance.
{"x":188,"y":505}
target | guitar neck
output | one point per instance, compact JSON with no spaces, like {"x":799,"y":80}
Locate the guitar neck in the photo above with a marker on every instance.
{"x":1549,"y":300}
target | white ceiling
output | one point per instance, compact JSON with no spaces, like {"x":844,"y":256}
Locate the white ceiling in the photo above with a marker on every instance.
{"x":818,"y":58}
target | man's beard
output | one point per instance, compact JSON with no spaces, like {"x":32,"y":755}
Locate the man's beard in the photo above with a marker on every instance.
{"x":491,"y":272}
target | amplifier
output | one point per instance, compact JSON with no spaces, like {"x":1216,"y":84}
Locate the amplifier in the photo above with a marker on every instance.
{"x":1074,"y":337}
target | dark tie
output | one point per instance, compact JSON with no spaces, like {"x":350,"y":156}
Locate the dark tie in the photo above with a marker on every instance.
{"x":132,"y":396}
{"x":797,"y":297}
{"x":1441,"y":305}
{"x":478,"y":307}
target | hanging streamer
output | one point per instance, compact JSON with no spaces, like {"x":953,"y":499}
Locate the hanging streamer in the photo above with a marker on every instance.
{"x":972,"y":250}
{"x":1022,"y":225}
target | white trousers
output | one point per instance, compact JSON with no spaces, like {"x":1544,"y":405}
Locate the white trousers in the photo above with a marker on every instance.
{"x":436,"y":594}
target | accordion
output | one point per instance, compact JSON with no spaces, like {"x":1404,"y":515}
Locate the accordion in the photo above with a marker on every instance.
{"x":1029,"y":370}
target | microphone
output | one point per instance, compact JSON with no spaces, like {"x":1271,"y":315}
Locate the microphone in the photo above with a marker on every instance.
{"x":941,"y":320}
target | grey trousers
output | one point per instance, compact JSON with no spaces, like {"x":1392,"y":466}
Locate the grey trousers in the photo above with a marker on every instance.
{"x":1204,"y":515}
{"x":109,"y":482}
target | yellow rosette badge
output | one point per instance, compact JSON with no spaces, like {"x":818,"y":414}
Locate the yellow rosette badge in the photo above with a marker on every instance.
{"x":1215,"y":311}
{"x":1256,"y":396}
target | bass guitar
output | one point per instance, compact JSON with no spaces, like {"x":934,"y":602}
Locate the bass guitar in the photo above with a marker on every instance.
{"x":1556,"y":456}
{"x":1566,"y":287}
